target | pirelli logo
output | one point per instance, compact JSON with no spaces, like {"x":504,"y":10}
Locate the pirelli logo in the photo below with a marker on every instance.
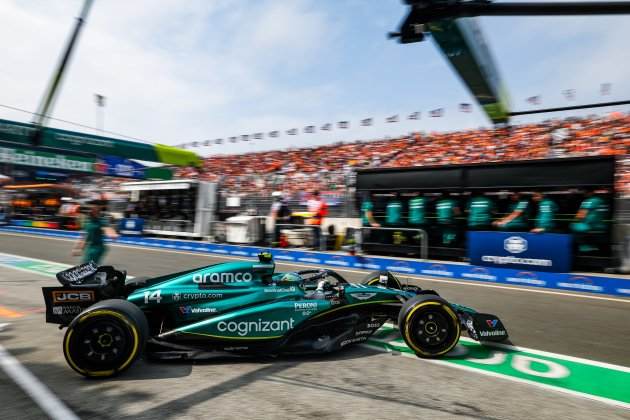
{"x":72,"y":296}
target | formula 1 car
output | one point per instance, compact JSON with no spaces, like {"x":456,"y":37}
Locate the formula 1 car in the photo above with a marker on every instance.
{"x":244,"y":308}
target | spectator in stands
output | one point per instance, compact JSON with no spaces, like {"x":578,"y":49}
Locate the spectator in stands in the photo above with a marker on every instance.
{"x":480,"y":209}
{"x":545,"y":213}
{"x":517,"y":219}
{"x":447,"y":211}
{"x":325,"y":167}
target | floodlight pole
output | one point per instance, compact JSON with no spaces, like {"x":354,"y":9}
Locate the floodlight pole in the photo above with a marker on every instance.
{"x":51,"y":92}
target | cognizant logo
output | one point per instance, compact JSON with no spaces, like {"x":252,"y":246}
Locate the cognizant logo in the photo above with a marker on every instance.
{"x":244,"y":328}
{"x":238,"y":277}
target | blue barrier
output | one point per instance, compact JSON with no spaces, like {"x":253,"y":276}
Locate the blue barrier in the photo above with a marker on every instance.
{"x":521,"y":250}
{"x":563,"y":281}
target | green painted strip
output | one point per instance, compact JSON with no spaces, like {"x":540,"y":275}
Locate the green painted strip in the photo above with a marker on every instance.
{"x":605,"y":382}
{"x":600,"y":381}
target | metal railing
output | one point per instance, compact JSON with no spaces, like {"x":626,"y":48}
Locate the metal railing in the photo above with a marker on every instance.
{"x":421,"y":235}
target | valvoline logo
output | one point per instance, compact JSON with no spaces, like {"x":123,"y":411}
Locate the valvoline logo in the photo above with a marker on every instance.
{"x":580,"y":283}
{"x":337,"y":260}
{"x":401,"y":266}
{"x":492,"y":323}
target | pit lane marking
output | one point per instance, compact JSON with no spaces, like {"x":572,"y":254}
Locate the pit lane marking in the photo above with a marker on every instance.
{"x":415,"y":276}
{"x":46,"y":400}
{"x":573,"y":372}
{"x":9,"y":313}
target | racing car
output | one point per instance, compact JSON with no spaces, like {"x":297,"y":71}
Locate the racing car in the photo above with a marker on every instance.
{"x":245,"y":308}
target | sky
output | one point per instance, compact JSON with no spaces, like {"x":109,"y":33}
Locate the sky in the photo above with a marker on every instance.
{"x":176,"y":71}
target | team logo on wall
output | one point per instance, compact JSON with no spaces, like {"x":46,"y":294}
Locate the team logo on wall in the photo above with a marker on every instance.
{"x":515,"y":244}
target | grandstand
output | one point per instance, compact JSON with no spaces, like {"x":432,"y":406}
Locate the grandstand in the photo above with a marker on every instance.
{"x":328,"y":167}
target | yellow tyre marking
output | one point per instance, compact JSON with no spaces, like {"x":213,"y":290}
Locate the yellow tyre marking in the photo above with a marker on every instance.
{"x":102,"y":372}
{"x":407,"y":331}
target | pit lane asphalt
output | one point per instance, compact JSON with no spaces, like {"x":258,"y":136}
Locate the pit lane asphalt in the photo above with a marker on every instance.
{"x":358,"y":383}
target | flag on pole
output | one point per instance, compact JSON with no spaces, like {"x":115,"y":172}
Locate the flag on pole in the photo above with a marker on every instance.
{"x":605,"y":88}
{"x":366,"y":122}
{"x":309,"y":129}
{"x":534,"y":100}
{"x":569,"y":94}
{"x":326,"y":127}
{"x":414,"y":116}
{"x":437,"y":112}
{"x":465,"y":107}
{"x":292,"y":132}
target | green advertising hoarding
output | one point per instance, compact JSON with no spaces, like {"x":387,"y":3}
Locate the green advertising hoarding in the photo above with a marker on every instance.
{"x":46,"y":160}
{"x":22,"y":134}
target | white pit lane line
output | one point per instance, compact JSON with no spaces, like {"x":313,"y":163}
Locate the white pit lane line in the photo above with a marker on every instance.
{"x":43,"y":397}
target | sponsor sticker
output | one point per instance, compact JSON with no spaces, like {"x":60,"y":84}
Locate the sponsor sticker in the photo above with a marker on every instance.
{"x":362,"y":295}
{"x":353,"y":340}
{"x":191,"y":310}
{"x":245,"y":328}
{"x":222,"y":278}
{"x":67,"y":310}
{"x":69,"y":296}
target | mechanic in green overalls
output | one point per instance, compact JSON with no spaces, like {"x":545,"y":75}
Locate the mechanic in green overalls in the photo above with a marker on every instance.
{"x":393,"y":212}
{"x":590,"y":220}
{"x":480,"y":209}
{"x":517,"y":220}
{"x":367,"y":212}
{"x":417,"y":211}
{"x":447,"y":211}
{"x":546,"y":213}
{"x":92,"y":243}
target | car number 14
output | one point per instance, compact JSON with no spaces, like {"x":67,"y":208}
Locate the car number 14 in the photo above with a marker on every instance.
{"x":155,"y":295}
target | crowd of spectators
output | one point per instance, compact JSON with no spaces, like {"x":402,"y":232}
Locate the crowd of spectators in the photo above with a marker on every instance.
{"x":330,"y":167}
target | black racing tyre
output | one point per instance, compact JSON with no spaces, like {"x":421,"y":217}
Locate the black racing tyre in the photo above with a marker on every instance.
{"x":429,"y":325}
{"x":106,"y":338}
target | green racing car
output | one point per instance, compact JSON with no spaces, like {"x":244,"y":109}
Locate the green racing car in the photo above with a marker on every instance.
{"x":245,"y":308}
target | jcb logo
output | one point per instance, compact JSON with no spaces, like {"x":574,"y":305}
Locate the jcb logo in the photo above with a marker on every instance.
{"x":62,"y":296}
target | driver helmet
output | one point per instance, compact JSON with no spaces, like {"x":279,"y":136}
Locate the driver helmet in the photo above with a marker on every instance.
{"x":290,"y":278}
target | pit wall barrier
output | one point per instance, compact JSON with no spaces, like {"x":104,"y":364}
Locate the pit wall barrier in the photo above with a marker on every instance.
{"x":597,"y":284}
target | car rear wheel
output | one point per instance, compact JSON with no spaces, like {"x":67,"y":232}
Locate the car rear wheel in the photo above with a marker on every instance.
{"x":429,"y":325}
{"x":106,"y":338}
